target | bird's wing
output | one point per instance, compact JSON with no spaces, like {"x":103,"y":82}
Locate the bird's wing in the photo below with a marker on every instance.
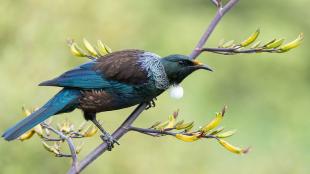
{"x":117,"y":68}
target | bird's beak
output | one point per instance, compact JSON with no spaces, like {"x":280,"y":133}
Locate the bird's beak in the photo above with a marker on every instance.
{"x":199,"y":65}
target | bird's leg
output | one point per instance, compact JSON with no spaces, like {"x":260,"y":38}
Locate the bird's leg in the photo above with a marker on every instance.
{"x":106,"y":137}
{"x":151,"y":104}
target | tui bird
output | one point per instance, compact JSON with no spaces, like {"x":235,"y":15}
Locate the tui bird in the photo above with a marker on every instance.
{"x":117,"y":80}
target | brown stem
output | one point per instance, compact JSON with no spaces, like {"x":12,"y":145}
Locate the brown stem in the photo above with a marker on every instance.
{"x":219,"y":14}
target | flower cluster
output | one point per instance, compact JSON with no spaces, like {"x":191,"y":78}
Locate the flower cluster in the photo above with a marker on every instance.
{"x":90,"y":51}
{"x":184,"y":131}
{"x":53,"y":138}
{"x":273,"y":46}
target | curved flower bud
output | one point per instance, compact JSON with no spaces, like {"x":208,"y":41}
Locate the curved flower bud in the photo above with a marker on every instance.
{"x":250,"y":39}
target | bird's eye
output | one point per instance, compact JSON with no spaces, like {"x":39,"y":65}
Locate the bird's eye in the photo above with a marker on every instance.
{"x":182,"y":62}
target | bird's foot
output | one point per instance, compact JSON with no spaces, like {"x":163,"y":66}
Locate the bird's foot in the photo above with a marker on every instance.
{"x":151,"y":104}
{"x":107,"y":138}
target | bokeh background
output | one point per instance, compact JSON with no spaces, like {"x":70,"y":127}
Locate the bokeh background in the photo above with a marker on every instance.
{"x":267,"y":94}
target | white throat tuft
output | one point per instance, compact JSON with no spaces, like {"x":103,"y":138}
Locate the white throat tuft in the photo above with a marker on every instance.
{"x":176,"y":91}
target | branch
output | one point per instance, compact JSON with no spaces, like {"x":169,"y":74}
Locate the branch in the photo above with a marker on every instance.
{"x":70,"y":144}
{"x":120,"y":131}
{"x":157,"y":133}
{"x":125,"y":127}
{"x":219,"y":14}
{"x":230,"y":51}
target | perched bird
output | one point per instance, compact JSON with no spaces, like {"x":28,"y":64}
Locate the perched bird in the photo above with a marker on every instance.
{"x":117,"y":80}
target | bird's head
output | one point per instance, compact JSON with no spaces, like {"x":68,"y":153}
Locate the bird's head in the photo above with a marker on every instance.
{"x":178,"y":67}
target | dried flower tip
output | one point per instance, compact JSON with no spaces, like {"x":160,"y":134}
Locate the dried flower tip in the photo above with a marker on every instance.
{"x":224,"y":110}
{"x":176,"y":113}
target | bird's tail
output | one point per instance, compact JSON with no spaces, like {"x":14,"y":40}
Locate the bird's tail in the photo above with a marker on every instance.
{"x":66,"y":100}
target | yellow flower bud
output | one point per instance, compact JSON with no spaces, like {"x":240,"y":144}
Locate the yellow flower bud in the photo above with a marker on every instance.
{"x":184,"y":125}
{"x":38,"y":130}
{"x":82,"y":126}
{"x":226,"y":134}
{"x":76,"y":50}
{"x":79,"y":148}
{"x":187,"y":138}
{"x":155,"y":125}
{"x":292,"y":44}
{"x":66,"y":127}
{"x":171,"y":122}
{"x":26,"y":135}
{"x":90,"y":48}
{"x":256,"y":45}
{"x":26,"y":111}
{"x":228,"y":44}
{"x":90,"y":131}
{"x":232,"y":148}
{"x":179,"y":123}
{"x":108,"y":49}
{"x":213,"y":124}
{"x":250,"y":39}
{"x":216,"y":131}
{"x":162,"y":125}
{"x":104,"y":49}
{"x":275,"y":44}
{"x":50,"y":148}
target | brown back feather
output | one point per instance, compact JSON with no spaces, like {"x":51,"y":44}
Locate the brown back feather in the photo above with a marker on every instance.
{"x":122,"y":66}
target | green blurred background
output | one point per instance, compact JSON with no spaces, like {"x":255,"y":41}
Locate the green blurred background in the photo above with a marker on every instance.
{"x":267,"y":94}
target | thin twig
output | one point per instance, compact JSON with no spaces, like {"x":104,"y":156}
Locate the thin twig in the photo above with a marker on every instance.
{"x":229,"y":51}
{"x":154,"y":132}
{"x":219,"y":14}
{"x":70,"y":144}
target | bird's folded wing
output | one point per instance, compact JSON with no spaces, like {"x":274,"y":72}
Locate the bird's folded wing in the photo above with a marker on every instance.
{"x":118,"y":68}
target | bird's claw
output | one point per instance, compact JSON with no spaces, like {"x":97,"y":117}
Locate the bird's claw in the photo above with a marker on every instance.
{"x":151,"y":104}
{"x":107,"y":138}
